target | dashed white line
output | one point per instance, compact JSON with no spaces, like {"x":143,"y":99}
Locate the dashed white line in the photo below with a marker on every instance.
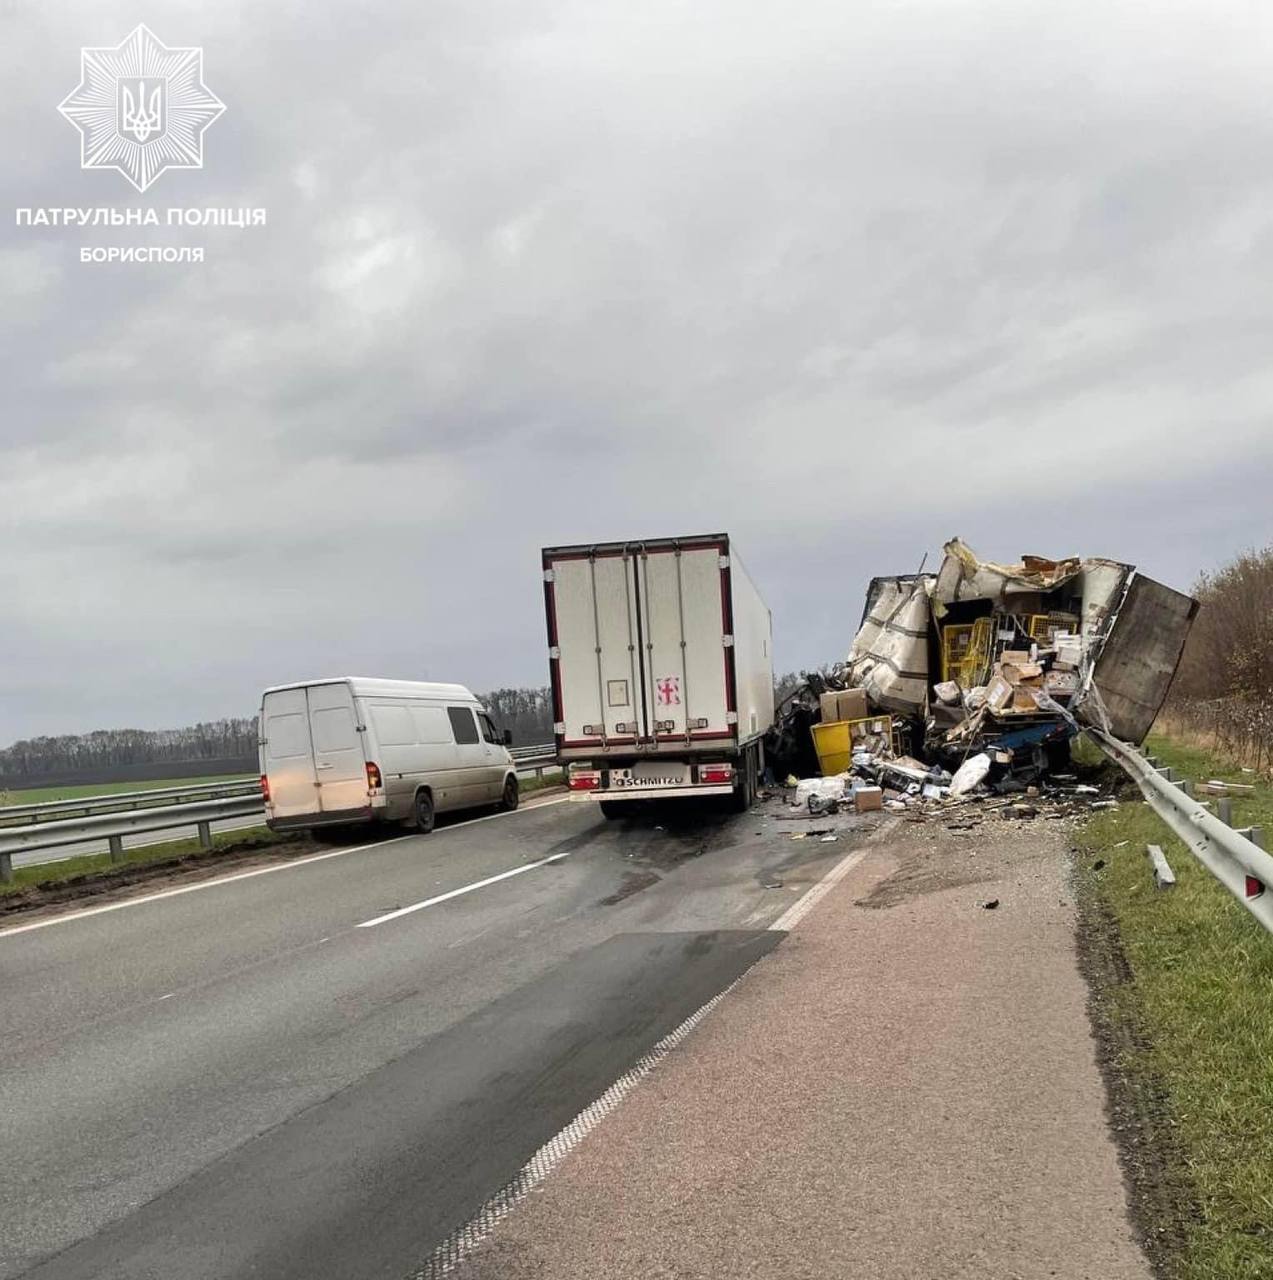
{"x":262,"y":871}
{"x":463,"y":889}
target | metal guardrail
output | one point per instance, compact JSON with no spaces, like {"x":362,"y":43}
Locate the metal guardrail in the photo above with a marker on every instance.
{"x":1235,"y":857}
{"x":113,"y":827}
{"x":111,"y":817}
{"x":50,"y":810}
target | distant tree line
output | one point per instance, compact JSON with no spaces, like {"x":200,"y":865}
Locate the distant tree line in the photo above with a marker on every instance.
{"x":1224,"y":687}
{"x":104,"y":749}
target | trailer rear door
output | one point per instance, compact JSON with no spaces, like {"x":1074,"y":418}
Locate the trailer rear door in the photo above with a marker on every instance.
{"x":1135,"y":667}
{"x":641,"y":643}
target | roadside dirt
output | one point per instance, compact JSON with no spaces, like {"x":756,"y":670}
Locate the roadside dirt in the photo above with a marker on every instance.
{"x":1160,"y":1193}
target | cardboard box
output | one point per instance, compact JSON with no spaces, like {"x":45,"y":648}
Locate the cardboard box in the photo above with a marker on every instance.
{"x":843,"y":704}
{"x":868,"y":799}
{"x":1021,"y":672}
{"x":998,"y":693}
{"x":852,"y":704}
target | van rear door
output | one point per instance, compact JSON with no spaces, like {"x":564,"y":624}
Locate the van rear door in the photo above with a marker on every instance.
{"x":339,"y":764}
{"x":287,"y":756}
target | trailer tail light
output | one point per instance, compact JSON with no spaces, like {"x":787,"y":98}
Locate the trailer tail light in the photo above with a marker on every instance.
{"x":713,"y":774}
{"x":374,"y":780}
{"x":584,"y":779}
{"x":1254,"y":887}
{"x":265,"y":788}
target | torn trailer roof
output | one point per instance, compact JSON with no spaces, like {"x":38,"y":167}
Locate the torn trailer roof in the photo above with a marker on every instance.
{"x":981,"y":650}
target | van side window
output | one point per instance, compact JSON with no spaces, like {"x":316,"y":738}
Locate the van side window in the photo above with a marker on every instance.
{"x":488,"y":729}
{"x":462,"y":724}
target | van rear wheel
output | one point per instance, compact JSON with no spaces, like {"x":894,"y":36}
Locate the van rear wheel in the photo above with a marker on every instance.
{"x":424,"y":813}
{"x":509,"y":800}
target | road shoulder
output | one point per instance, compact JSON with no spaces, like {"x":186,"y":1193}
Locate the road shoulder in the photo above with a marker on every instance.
{"x":908,"y":1087}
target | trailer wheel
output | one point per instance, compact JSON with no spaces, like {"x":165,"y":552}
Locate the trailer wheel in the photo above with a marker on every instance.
{"x":745,"y":792}
{"x":510,"y":798}
{"x":424,"y":812}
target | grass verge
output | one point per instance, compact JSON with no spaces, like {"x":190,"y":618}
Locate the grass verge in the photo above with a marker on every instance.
{"x":42,"y":795}
{"x":1183,"y":1002}
{"x":99,"y":864}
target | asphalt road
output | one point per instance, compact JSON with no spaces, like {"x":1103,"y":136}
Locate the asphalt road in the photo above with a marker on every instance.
{"x":264,"y":1076}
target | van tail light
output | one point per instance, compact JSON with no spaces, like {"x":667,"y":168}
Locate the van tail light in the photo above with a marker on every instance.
{"x":374,"y":780}
{"x":584,"y":779}
{"x":713,"y":774}
{"x":265,"y":788}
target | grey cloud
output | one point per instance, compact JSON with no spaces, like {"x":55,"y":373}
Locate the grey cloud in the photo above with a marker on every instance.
{"x":843,"y":281}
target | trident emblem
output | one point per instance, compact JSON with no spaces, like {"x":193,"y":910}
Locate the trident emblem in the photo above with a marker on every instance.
{"x":141,"y":108}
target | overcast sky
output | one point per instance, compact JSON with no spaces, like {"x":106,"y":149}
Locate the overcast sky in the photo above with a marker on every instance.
{"x":843,"y":280}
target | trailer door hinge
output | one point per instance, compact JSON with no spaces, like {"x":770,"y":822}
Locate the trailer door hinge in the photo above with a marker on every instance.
{"x":727,"y":641}
{"x":724,"y":562}
{"x":554,"y":652}
{"x":549,"y":576}
{"x":731,"y":717}
{"x":559,"y":726}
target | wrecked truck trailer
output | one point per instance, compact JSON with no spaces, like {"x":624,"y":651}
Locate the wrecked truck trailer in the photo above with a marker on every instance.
{"x":1015,"y":659}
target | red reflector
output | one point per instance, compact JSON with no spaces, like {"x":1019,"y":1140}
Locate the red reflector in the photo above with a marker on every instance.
{"x":1254,"y":887}
{"x":374,"y":781}
{"x":584,"y":780}
{"x":712,"y":773}
{"x":265,"y":788}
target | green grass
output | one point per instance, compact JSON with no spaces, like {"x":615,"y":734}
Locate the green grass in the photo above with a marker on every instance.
{"x":551,"y":778}
{"x":41,"y":795}
{"x":45,"y":873}
{"x":1202,"y":996}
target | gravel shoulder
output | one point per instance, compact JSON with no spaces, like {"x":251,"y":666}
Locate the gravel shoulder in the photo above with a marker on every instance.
{"x":908,"y":1087}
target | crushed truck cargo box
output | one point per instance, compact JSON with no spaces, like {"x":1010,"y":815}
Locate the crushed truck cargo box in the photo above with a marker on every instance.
{"x":1131,"y":632}
{"x":889,"y":659}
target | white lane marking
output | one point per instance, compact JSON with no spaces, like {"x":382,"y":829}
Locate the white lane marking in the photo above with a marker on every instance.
{"x":455,"y":1248}
{"x":802,"y":906}
{"x":263,"y":871}
{"x":463,"y":889}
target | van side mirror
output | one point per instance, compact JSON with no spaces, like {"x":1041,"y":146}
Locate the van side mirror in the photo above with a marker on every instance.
{"x":508,"y":737}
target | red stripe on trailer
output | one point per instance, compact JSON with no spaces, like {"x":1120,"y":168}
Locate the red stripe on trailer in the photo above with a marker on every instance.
{"x":727,"y":628}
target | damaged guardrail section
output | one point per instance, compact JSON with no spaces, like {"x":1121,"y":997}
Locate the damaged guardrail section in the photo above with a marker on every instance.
{"x":1234,"y":857}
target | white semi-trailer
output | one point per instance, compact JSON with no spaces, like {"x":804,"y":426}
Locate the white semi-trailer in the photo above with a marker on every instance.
{"x":661,"y":660}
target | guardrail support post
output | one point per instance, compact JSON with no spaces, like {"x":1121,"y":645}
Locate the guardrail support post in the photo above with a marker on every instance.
{"x":6,"y":868}
{"x":1224,"y":810}
{"x":117,"y":848}
{"x":1257,"y":837}
{"x":1164,"y":877}
{"x":205,"y":835}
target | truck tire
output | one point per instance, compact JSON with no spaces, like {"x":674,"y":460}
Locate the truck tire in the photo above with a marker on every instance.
{"x":745,"y":792}
{"x":424,"y":812}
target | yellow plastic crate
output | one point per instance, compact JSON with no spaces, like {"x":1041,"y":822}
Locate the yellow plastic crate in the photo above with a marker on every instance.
{"x":834,"y":741}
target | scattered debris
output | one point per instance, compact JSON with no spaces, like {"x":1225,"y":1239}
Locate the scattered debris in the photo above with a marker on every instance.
{"x":1098,"y":865}
{"x":992,"y":905}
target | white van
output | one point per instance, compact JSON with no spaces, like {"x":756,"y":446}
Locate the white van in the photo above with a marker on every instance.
{"x":353,"y":749}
